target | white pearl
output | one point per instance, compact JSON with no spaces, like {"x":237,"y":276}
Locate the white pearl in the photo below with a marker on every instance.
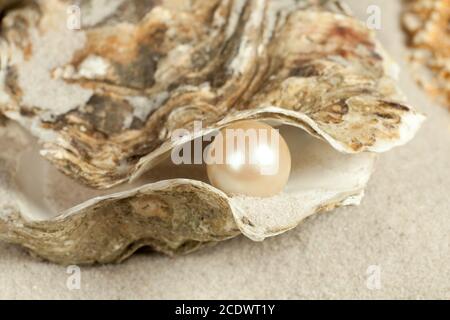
{"x":249,"y":158}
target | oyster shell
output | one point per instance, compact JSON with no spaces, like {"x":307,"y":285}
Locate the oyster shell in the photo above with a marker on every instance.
{"x":104,"y":100}
{"x":170,"y":209}
{"x":101,"y":104}
{"x":427,"y":25}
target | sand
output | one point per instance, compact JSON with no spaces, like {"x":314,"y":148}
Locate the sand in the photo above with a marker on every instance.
{"x":395,"y":245}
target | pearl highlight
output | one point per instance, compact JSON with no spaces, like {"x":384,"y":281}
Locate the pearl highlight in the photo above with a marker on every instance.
{"x":249,"y":158}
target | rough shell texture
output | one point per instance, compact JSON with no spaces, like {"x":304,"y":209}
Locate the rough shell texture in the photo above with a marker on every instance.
{"x":171,"y":210}
{"x":427,"y":23}
{"x":105,"y":107}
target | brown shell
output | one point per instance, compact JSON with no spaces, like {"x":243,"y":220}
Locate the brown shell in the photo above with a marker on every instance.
{"x":106,"y":98}
{"x":103,"y":102}
{"x":172,"y":211}
{"x":427,"y":25}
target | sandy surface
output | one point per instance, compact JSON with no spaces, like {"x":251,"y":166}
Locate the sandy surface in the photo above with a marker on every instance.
{"x":402,"y":228}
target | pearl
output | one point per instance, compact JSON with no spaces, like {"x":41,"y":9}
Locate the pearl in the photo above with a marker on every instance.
{"x":249,"y":158}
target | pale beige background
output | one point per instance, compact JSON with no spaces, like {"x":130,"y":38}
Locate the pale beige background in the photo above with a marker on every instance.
{"x":403,"y":226}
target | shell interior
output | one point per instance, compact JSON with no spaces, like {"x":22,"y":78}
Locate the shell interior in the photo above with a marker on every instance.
{"x":321,"y":179}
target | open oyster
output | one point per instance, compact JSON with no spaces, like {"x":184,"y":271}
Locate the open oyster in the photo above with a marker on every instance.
{"x":101,"y":103}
